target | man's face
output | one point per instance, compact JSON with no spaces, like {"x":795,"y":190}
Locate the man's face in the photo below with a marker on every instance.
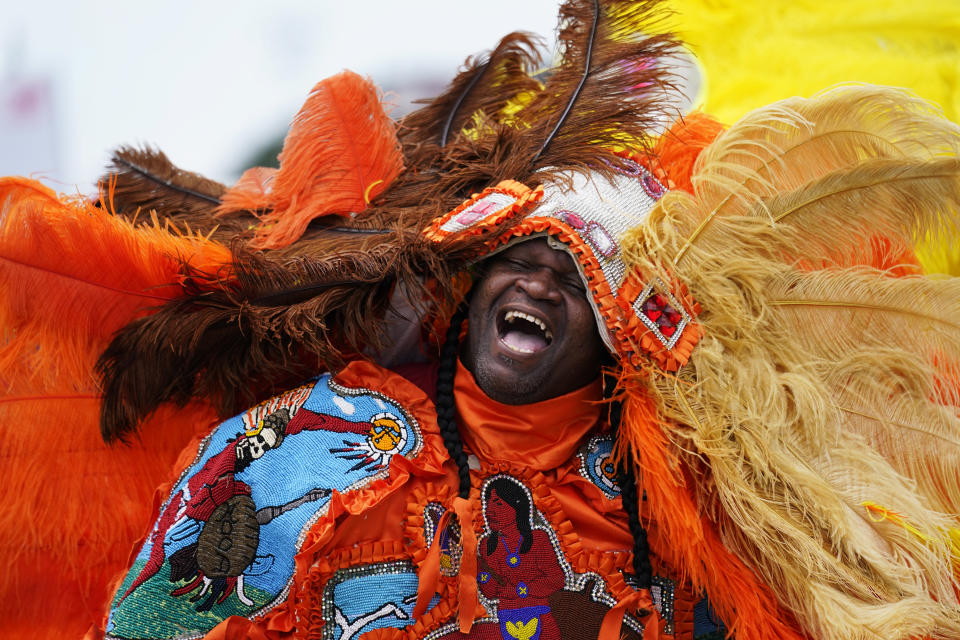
{"x":532,"y":333}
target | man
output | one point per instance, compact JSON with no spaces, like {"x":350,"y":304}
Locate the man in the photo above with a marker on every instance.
{"x":519,"y":416}
{"x":528,"y":411}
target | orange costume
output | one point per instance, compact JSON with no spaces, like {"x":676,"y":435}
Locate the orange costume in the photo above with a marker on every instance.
{"x":557,"y":493}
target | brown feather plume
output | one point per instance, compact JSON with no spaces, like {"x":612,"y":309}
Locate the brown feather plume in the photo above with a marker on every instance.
{"x":144,"y":180}
{"x":621,"y":98}
{"x":619,"y":104}
{"x":482,"y":89}
{"x":277,"y":321}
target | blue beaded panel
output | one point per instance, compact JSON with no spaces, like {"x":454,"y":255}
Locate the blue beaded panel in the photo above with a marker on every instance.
{"x":596,"y":464}
{"x":260,"y":480}
{"x":371,"y":596}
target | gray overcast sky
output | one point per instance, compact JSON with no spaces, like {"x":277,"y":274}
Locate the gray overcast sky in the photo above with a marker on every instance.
{"x":209,"y":82}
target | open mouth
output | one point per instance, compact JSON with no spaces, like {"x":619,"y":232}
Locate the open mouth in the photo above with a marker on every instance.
{"x":523,"y":333}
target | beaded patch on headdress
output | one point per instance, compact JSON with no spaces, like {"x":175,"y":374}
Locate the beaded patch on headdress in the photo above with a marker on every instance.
{"x":225,"y":540}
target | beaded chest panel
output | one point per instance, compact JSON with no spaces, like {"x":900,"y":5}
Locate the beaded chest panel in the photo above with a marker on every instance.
{"x":225,"y":541}
{"x":527,"y":585}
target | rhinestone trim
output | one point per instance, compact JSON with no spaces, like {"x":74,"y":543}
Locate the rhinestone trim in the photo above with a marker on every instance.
{"x":653,"y":288}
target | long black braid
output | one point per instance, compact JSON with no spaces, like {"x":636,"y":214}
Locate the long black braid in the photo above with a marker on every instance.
{"x":628,"y":494}
{"x":446,"y":408}
{"x":447,"y":420}
{"x":641,"y":549}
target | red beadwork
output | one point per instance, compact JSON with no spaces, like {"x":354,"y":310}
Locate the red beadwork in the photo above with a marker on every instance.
{"x":659,"y":311}
{"x":572,"y":219}
{"x":652,"y":187}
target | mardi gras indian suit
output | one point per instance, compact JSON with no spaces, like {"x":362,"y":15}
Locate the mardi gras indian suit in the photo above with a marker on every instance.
{"x":780,"y":427}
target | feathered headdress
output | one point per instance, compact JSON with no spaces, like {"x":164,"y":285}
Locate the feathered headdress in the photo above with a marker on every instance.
{"x":303,"y":306}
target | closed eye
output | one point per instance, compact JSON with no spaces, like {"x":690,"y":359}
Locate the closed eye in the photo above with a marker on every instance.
{"x":518,"y":265}
{"x":575,"y":284}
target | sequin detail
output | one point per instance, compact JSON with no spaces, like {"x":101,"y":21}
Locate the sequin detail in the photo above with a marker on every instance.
{"x":627,"y":167}
{"x":601,"y":240}
{"x":479,"y":210}
{"x":653,"y":188}
{"x":597,"y":466}
{"x":661,"y":313}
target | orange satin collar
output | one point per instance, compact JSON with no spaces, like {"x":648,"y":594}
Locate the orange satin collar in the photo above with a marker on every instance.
{"x":541,"y":436}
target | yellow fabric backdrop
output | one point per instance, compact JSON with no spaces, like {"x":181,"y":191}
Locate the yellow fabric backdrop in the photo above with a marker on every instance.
{"x":754,"y":52}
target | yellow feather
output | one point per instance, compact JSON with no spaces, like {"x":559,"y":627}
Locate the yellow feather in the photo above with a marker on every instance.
{"x":821,"y":380}
{"x":791,"y":145}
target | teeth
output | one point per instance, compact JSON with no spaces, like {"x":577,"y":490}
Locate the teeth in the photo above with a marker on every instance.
{"x":512,"y":315}
{"x":519,"y":349}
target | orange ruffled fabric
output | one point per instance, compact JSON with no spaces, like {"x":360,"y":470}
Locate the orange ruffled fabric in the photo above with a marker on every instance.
{"x":543,"y":435}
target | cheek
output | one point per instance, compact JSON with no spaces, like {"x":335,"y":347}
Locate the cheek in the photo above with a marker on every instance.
{"x":585,"y":324}
{"x":589,"y":347}
{"x":485,"y":294}
{"x":482,"y":297}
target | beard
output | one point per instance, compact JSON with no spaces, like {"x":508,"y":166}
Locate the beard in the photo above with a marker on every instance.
{"x":514,"y":391}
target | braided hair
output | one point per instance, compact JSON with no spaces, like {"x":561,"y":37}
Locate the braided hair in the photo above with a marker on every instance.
{"x":446,"y":409}
{"x":447,"y":420}
{"x":642,"y":568}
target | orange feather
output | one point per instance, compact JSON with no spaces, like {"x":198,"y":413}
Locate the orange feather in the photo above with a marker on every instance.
{"x":70,"y":275}
{"x":74,"y":507}
{"x":680,"y":147}
{"x":252,"y":191}
{"x":341,"y":152}
{"x":684,"y":537}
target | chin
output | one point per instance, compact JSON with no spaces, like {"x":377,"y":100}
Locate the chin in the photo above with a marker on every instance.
{"x":506,"y":385}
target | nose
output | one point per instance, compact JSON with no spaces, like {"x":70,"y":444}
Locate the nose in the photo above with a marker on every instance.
{"x":541,"y":284}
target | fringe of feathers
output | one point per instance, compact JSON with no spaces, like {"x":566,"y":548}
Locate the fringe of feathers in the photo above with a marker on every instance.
{"x":826,"y":377}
